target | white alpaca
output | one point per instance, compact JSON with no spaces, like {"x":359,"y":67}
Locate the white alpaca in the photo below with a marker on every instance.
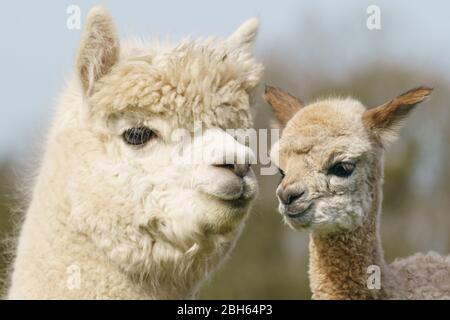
{"x":112,"y":215}
{"x":331,"y":156}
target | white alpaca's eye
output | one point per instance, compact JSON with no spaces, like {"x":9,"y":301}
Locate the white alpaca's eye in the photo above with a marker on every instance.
{"x":138,"y":136}
{"x":341,"y":169}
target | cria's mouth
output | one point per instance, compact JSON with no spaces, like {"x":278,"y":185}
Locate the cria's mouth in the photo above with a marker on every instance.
{"x":299,"y":214}
{"x":302,"y":218}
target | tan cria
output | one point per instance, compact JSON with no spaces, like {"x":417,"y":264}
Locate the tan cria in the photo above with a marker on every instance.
{"x":331,"y":156}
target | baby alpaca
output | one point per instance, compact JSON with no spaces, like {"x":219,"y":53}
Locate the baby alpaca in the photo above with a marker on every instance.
{"x":120,"y":210}
{"x":331,"y":159}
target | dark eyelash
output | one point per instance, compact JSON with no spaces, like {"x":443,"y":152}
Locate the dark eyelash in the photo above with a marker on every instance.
{"x":282,"y":175}
{"x":138,"y":136}
{"x":341,"y":169}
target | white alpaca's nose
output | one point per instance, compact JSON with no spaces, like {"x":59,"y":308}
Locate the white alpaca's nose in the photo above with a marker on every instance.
{"x":225,"y":170}
{"x":224,"y":151}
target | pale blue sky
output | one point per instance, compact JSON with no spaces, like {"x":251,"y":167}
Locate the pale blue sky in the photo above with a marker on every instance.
{"x":38,"y":50}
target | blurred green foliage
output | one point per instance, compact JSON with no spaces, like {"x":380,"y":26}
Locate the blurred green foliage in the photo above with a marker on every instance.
{"x":6,"y":205}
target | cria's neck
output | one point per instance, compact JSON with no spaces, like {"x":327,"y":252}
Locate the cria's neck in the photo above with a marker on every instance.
{"x":341,"y":263}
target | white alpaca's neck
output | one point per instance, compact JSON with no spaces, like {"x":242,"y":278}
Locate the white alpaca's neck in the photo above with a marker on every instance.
{"x":54,"y":261}
{"x":339,"y":262}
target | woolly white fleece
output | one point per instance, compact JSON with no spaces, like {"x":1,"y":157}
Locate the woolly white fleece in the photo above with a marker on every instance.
{"x":112,"y":221}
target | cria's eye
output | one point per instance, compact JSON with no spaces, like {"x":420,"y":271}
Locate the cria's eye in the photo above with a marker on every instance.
{"x":137,"y":136}
{"x":341,"y":169}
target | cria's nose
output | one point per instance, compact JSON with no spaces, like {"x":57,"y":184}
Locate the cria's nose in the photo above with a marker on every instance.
{"x":240,"y":170}
{"x":290,"y":194}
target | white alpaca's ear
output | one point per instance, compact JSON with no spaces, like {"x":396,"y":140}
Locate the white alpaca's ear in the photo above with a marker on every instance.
{"x":99,"y":48}
{"x":239,"y":45}
{"x":284,"y":105}
{"x":385,"y":121}
{"x":245,"y":35}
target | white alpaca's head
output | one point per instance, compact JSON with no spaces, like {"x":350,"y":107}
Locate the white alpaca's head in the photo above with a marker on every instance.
{"x":330,"y":156}
{"x":133,"y":187}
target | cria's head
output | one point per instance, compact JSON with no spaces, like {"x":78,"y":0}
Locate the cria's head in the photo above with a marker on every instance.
{"x":330,"y":156}
{"x":140,"y":185}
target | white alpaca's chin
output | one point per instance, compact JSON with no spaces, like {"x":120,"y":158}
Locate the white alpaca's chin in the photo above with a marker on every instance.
{"x":231,"y":188}
{"x":227,"y":208}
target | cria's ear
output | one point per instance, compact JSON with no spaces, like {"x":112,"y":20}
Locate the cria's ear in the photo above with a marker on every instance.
{"x":385,"y":121}
{"x":245,"y":35}
{"x":283,"y":104}
{"x":99,"y":48}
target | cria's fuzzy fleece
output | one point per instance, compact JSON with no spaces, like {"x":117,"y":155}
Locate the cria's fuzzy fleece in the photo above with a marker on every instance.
{"x":112,"y":221}
{"x":344,"y":219}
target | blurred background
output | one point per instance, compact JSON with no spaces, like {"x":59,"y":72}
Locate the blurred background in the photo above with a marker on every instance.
{"x":311,"y":49}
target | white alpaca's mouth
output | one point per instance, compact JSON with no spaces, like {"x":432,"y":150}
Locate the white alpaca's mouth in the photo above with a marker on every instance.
{"x":236,"y":191}
{"x":240,"y":194}
{"x":228,"y":192}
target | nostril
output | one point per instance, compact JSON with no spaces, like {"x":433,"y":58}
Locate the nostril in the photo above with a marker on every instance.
{"x":289,"y":195}
{"x":225,"y":166}
{"x":292,"y":197}
{"x":241,"y":170}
